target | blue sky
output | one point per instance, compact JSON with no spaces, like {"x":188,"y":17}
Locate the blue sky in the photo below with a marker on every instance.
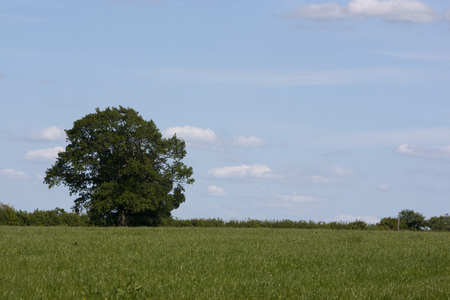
{"x":302,"y":110}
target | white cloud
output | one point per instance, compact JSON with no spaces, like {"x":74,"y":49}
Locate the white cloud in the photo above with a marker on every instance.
{"x":298,"y":198}
{"x":427,"y":152}
{"x":391,"y":10}
{"x":406,"y":149}
{"x":43,"y":155}
{"x":193,"y":136}
{"x":244,"y":171}
{"x":322,"y":11}
{"x":290,"y":201}
{"x":350,"y":218}
{"x":319,"y":176}
{"x":447,"y":15}
{"x":52,"y":133}
{"x":336,"y":170}
{"x":384,"y":187}
{"x":394,"y":10}
{"x":251,"y":141}
{"x":317,"y":179}
{"x":10,"y":173}
{"x":213,"y":190}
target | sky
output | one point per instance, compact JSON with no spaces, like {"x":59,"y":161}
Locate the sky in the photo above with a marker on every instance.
{"x":301,"y":110}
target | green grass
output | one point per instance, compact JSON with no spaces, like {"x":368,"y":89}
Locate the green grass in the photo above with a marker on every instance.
{"x":221,"y":263}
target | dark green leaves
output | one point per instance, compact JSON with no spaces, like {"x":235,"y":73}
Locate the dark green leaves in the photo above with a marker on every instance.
{"x":120,"y":166}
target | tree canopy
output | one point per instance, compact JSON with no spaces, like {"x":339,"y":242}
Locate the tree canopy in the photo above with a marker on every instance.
{"x":122,"y":169}
{"x":414,"y":220}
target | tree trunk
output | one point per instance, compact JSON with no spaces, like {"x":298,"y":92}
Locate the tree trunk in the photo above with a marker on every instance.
{"x":121,"y":219}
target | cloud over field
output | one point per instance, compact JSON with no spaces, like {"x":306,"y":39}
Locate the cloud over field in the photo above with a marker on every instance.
{"x":413,"y":11}
{"x":339,"y":171}
{"x":52,"y":133}
{"x":292,"y":201}
{"x":194,"y":136}
{"x":43,"y":155}
{"x":243,"y":171}
{"x":384,"y":187}
{"x":10,"y":173}
{"x":251,"y":141}
{"x":216,"y":191}
{"x":199,"y":137}
{"x":318,"y":179}
{"x":297,"y":198}
{"x":427,"y":152}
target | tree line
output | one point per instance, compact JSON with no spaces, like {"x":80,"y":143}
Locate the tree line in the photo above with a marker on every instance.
{"x":409,"y":220}
{"x":55,"y":217}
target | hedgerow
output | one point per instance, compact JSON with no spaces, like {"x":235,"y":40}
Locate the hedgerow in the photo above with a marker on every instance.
{"x":59,"y":217}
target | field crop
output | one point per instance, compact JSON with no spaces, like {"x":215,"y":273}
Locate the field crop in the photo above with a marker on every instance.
{"x":221,"y":263}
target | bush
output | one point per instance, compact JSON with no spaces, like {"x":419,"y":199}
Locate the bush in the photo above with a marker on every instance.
{"x":360,"y":225}
{"x":441,"y":223}
{"x":8,"y":215}
{"x":56,"y":217}
{"x":391,"y":224}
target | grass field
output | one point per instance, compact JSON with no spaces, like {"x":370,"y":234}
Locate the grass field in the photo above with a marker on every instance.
{"x":221,"y":263}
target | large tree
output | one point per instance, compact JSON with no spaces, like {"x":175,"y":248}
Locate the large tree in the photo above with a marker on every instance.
{"x":414,"y":220}
{"x":121,"y":168}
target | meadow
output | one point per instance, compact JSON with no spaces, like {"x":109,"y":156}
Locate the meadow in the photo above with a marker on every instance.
{"x":221,"y":263}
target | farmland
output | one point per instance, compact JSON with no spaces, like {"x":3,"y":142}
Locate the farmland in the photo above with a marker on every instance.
{"x":221,"y":263}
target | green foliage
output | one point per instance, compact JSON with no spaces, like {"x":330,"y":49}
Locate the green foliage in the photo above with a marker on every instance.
{"x":221,"y":263}
{"x":8,"y":215}
{"x":56,"y":217}
{"x":252,"y":223}
{"x":391,"y":224}
{"x":414,"y":220}
{"x":121,"y":168}
{"x":358,"y":224}
{"x":441,"y":223}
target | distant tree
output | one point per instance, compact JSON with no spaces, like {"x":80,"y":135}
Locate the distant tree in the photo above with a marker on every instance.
{"x":358,"y":224}
{"x":441,"y":223}
{"x":121,"y":168}
{"x":8,"y":215}
{"x":414,"y":220}
{"x":390,"y":223}
{"x":6,"y":207}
